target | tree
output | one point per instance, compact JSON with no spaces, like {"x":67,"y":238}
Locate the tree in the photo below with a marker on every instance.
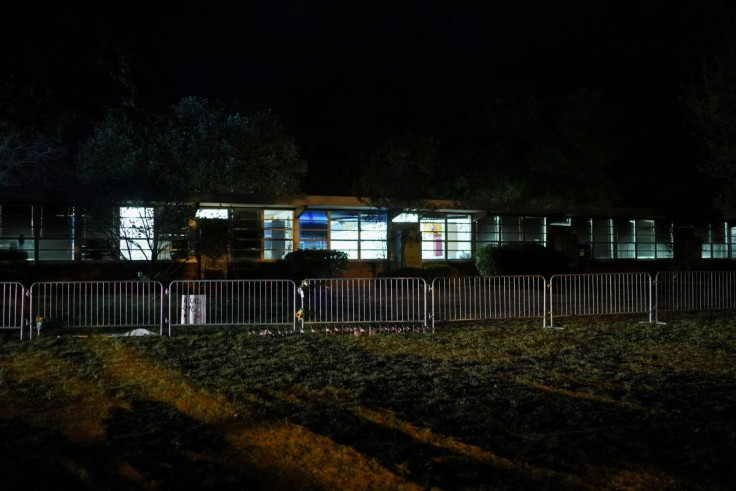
{"x":63,"y":66}
{"x":401,"y":177}
{"x":158,"y":164}
{"x":30,"y":157}
{"x":712,"y":104}
{"x":545,"y":151}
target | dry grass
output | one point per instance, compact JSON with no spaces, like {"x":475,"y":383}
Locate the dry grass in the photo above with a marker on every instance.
{"x":606,"y":403}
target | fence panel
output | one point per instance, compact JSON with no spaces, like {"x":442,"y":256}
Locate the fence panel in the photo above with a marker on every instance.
{"x":598,"y":294}
{"x":94,"y":304}
{"x":232,"y":302}
{"x":12,"y":308}
{"x":695,"y":290}
{"x":364,"y":300}
{"x":488,"y":297}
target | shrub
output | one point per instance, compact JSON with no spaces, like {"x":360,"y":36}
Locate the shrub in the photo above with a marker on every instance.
{"x":519,"y":259}
{"x":438,"y":270}
{"x":316,"y":264}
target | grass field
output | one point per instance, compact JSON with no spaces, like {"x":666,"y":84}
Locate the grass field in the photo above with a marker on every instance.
{"x":606,"y":403}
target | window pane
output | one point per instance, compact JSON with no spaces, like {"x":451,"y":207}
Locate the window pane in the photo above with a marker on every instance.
{"x":278,"y":233}
{"x":534,"y":229}
{"x":136,"y":228}
{"x":602,"y":238}
{"x":645,"y":239}
{"x":246,"y":234}
{"x":313,"y":230}
{"x":459,"y":237}
{"x":16,"y":230}
{"x":510,"y":229}
{"x":488,"y":231}
{"x":345,"y":232}
{"x":57,"y":233}
{"x":373,"y":235}
{"x":433,"y":238}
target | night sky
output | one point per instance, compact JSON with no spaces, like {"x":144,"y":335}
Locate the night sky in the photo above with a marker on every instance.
{"x":348,"y":75}
{"x":343,"y":75}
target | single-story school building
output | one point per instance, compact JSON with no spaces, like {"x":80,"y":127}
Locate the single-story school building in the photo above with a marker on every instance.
{"x":38,"y":228}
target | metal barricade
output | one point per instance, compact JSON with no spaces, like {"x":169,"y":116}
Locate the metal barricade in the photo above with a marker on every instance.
{"x":488,"y":297}
{"x":598,"y":294}
{"x":232,"y":302}
{"x":364,"y":300}
{"x":92,"y":304}
{"x":12,"y":306}
{"x":694,"y":290}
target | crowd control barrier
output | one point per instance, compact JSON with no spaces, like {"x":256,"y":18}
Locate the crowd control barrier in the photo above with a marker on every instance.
{"x":694,"y":290}
{"x":599,"y":294}
{"x":488,"y":297}
{"x":112,"y":304}
{"x":12,"y":309}
{"x":364,"y":300}
{"x":232,"y":302}
{"x":343,"y":301}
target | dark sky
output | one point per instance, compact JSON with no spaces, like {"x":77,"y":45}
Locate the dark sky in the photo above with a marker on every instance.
{"x":345,"y":75}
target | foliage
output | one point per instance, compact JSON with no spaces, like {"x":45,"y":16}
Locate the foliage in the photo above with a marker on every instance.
{"x":605,"y":403}
{"x":212,"y":237}
{"x":70,"y":67}
{"x":249,"y":154}
{"x":196,"y":147}
{"x":314,"y":263}
{"x":546,"y":151}
{"x":712,"y":105}
{"x":161,"y":161}
{"x":519,"y":259}
{"x":30,"y":157}
{"x":438,"y":270}
{"x":402,"y":175}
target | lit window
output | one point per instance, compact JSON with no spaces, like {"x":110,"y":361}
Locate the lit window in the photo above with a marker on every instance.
{"x":137,"y":233}
{"x":602,"y":238}
{"x":373,"y":236}
{"x":56,"y":241}
{"x":459,"y":237}
{"x":645,"y":243}
{"x":313,"y":230}
{"x":406,"y":218}
{"x":715,"y":246}
{"x":489,"y":231}
{"x":359,"y":235}
{"x":345,"y":233}
{"x":217,"y":213}
{"x":278,"y":233}
{"x":433,"y":238}
{"x":446,"y":237}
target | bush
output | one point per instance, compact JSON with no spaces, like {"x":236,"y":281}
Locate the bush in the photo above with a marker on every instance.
{"x":438,"y":270}
{"x":316,"y":264}
{"x":519,"y":259}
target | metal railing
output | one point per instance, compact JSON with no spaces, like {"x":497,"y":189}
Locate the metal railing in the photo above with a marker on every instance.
{"x":80,"y":304}
{"x":232,"y":302}
{"x":599,"y":294}
{"x":382,"y":301}
{"x":364,"y":300}
{"x":694,"y":290}
{"x":12,"y":308}
{"x":488,"y":297}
